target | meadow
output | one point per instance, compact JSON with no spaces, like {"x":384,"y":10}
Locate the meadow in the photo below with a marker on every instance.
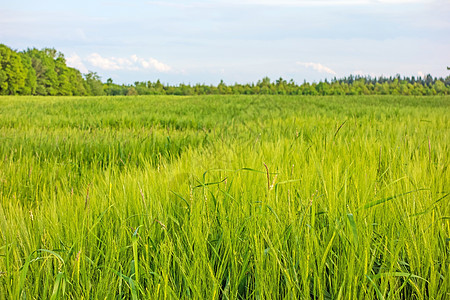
{"x":225,"y":197}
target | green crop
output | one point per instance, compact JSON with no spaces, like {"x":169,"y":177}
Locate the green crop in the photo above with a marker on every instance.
{"x":224,"y":197}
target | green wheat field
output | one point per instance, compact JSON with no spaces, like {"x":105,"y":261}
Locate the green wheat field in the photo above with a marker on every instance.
{"x":225,"y":197}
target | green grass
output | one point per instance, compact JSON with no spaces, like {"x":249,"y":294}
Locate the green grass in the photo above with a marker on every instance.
{"x":224,"y":197}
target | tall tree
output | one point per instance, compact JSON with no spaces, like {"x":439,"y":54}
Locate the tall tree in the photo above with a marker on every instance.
{"x":12,"y":72}
{"x":31,"y":79}
{"x":93,"y":84}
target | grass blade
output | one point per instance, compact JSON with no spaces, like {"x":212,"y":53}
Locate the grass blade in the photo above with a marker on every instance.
{"x":381,"y":201}
{"x":352,"y":222}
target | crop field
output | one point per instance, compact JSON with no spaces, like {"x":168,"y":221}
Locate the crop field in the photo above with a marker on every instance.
{"x":225,"y":197}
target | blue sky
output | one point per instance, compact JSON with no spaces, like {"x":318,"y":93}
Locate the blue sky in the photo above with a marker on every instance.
{"x":236,"y":40}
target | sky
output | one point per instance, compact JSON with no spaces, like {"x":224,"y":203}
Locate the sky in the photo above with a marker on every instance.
{"x":235,"y":40}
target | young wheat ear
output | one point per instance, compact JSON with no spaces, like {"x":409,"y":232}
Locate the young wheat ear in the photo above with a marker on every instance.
{"x":160,"y":223}
{"x":273,"y":182}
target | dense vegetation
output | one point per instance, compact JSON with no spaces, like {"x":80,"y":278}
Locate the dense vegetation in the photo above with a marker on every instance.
{"x":224,"y":197}
{"x":44,"y":72}
{"x":352,"y":85}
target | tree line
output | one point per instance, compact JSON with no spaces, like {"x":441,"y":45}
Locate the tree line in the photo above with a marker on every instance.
{"x":45,"y":72}
{"x":352,"y":85}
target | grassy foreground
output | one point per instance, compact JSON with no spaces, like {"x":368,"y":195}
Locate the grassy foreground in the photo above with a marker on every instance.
{"x":224,"y":197}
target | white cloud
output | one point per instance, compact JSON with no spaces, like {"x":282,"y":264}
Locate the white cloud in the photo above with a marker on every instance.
{"x":132,"y":63}
{"x":76,"y":62}
{"x":97,"y":60}
{"x":316,"y":66}
{"x":358,"y":72}
{"x":152,"y":63}
{"x":421,"y":74}
{"x":362,"y":73}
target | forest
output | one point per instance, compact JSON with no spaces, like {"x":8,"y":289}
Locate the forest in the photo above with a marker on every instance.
{"x":45,"y":73}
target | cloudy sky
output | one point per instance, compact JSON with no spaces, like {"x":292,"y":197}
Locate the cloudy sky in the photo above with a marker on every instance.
{"x":235,"y":40}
